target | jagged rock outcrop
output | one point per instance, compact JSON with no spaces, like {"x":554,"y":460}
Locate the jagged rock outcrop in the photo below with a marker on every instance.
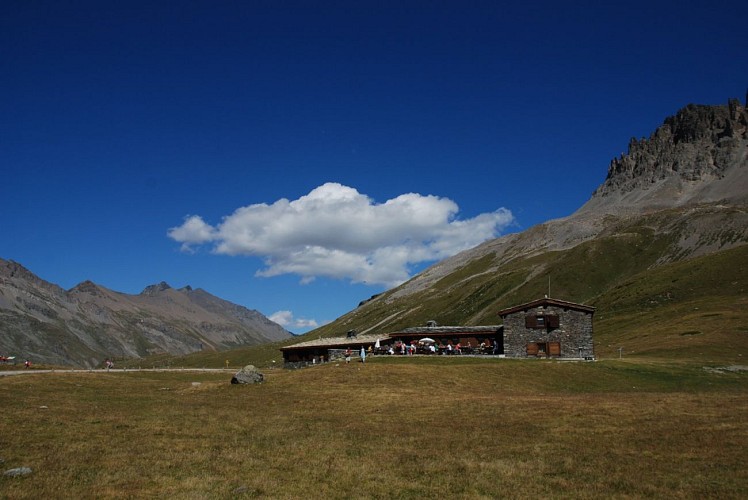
{"x":88,"y":323}
{"x":153,"y":290}
{"x":697,"y":156}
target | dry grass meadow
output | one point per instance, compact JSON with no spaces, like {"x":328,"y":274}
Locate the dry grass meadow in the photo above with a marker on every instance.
{"x":394,"y":428}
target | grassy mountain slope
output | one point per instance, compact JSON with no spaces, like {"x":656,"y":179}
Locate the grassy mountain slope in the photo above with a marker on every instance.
{"x":696,"y":309}
{"x":638,"y":273}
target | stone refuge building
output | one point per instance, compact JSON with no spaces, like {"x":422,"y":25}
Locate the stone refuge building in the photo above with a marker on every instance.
{"x":542,"y":328}
{"x":548,"y":327}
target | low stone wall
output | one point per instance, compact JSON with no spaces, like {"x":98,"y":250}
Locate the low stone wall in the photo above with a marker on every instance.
{"x":292,"y":365}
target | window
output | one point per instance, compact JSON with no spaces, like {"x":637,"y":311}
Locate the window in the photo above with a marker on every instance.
{"x":541,"y":321}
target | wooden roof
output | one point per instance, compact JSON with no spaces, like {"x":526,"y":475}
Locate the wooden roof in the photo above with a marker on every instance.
{"x":546,"y":302}
{"x":365,"y":340}
{"x":342,"y":342}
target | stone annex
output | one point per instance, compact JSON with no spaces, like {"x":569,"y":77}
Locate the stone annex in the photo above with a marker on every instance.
{"x":543,"y":328}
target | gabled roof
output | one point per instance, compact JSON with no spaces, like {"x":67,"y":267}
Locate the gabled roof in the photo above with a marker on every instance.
{"x":547,"y":302}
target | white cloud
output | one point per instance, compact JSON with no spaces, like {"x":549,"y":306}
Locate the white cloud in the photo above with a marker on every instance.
{"x":337,"y":232}
{"x":286,"y":320}
{"x":193,"y":231}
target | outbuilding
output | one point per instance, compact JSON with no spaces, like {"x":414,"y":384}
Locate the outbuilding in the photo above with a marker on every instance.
{"x":328,"y":349}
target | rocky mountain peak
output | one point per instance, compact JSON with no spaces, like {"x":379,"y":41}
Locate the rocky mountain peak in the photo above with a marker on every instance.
{"x":88,"y":287}
{"x":156,"y":289}
{"x":696,"y":156}
{"x":10,"y":268}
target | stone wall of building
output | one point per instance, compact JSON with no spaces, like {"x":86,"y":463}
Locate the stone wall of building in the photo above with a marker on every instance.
{"x":332,"y":355}
{"x":573,"y":333}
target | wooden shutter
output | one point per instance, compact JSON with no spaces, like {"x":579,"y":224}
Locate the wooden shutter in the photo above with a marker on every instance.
{"x":532,"y":349}
{"x":552,"y":320}
{"x":554,"y":348}
{"x":531,"y":321}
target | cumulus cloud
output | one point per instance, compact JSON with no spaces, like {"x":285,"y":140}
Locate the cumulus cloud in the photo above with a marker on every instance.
{"x":337,"y":232}
{"x":286,"y":320}
{"x":193,"y":231}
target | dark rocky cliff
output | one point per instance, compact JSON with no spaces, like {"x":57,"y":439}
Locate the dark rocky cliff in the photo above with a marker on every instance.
{"x":697,"y":156}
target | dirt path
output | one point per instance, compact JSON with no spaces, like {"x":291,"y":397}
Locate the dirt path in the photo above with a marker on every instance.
{"x":4,"y":373}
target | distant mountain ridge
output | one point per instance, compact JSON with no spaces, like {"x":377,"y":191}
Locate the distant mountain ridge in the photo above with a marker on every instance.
{"x":88,"y":323}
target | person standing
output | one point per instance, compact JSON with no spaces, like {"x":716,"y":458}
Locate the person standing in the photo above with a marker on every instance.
{"x":363,"y":354}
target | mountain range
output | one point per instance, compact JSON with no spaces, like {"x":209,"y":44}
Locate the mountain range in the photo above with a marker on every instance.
{"x":88,"y":323}
{"x":660,"y":249}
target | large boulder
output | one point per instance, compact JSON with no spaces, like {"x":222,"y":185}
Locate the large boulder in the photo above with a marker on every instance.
{"x":248,"y":375}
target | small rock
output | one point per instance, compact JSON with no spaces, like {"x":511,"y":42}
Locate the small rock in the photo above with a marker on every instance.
{"x":44,"y":407}
{"x":196,"y":384}
{"x":17,"y":472}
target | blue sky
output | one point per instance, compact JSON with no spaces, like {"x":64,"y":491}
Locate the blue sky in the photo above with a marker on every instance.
{"x":298,"y":157}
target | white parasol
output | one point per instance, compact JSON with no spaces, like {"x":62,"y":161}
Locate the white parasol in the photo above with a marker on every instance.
{"x":427,"y":340}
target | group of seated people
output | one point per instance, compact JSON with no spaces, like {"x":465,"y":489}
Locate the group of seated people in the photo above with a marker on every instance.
{"x":444,"y":348}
